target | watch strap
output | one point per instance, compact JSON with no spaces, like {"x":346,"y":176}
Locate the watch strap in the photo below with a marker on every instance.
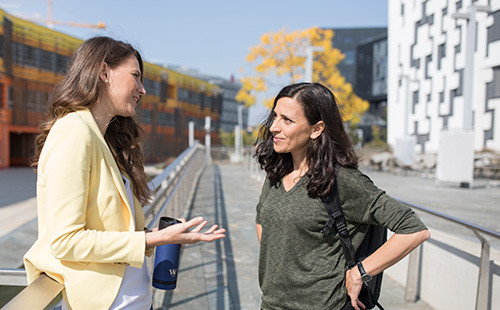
{"x":365,"y":277}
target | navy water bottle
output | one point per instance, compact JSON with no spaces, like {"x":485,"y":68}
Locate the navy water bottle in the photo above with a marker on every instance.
{"x":166,"y":260}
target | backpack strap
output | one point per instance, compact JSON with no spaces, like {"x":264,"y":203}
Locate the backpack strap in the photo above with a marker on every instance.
{"x":337,"y":220}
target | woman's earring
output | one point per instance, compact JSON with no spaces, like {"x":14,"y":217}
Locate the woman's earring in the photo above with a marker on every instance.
{"x":106,"y":81}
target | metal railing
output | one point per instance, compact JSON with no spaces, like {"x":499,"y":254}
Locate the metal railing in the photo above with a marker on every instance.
{"x":483,"y":287}
{"x":173,"y":192}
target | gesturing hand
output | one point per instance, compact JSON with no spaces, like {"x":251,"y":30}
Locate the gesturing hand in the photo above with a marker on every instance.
{"x":181,"y":233}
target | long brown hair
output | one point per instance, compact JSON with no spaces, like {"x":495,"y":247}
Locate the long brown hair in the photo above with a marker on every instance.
{"x":331,"y":147}
{"x":80,"y":89}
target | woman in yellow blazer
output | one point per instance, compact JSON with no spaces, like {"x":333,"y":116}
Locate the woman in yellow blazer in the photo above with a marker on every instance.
{"x":90,"y":224}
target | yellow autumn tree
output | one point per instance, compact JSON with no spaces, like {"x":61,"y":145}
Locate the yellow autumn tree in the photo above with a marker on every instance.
{"x":280,"y":54}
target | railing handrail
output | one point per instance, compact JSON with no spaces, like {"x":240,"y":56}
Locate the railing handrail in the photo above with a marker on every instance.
{"x":183,"y":170}
{"x":453,"y":219}
{"x":169,"y":173}
{"x":42,"y":291}
{"x":156,"y":182}
{"x":483,"y":286}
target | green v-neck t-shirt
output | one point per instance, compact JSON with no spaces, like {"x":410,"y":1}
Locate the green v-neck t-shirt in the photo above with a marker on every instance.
{"x":298,"y":267}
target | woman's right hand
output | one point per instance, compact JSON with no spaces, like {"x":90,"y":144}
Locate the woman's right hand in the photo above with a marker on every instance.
{"x":181,"y":233}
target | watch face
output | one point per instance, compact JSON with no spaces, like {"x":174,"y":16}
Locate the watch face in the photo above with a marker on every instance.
{"x":366,"y":277}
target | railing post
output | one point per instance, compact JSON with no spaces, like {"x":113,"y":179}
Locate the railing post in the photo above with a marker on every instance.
{"x":413,"y":275}
{"x":483,"y":285}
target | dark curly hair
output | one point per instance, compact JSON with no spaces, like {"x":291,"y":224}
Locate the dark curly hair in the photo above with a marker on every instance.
{"x":332,"y":147}
{"x":80,"y":89}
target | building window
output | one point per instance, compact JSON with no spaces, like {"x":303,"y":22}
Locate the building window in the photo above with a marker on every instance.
{"x":24,"y":54}
{"x":10,"y":103}
{"x":494,"y":30}
{"x":441,"y":54}
{"x":415,"y":101}
{"x":493,"y":88}
{"x":166,"y":119}
{"x":182,"y":94}
{"x":47,"y":60}
{"x":428,"y":59}
{"x":146,"y":116}
{"x":350,"y":57}
{"x":61,"y":63}
{"x":152,"y":87}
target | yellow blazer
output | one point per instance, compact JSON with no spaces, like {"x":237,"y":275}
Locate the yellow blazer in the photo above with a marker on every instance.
{"x":86,"y":234}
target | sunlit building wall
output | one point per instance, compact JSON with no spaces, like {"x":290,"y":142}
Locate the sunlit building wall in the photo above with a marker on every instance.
{"x":426,"y":47}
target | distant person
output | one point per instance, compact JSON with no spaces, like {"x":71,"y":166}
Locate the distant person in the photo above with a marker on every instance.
{"x":91,"y":185}
{"x":299,"y":146}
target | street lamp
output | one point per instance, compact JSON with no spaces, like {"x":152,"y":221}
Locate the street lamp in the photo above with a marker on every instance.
{"x":309,"y":61}
{"x":208,"y":140}
{"x":470,"y":17}
{"x":455,"y":160}
{"x":238,"y":136}
{"x":470,"y":42}
{"x":408,"y":80}
{"x":404,"y":147}
{"x":240,"y":124}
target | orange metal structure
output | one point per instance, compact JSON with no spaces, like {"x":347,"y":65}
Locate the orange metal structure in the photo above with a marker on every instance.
{"x":33,"y":59}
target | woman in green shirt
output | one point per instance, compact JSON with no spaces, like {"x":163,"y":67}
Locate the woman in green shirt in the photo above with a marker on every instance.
{"x":299,"y":145}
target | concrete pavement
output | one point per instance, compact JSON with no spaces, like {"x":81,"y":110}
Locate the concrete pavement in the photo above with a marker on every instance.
{"x":221,"y":274}
{"x":17,"y":198}
{"x":18,"y":224}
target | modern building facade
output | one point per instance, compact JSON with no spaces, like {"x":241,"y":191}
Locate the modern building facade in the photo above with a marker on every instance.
{"x":433,"y":71}
{"x":371,"y":81}
{"x":347,"y":41}
{"x":33,"y":59}
{"x":229,"y":115}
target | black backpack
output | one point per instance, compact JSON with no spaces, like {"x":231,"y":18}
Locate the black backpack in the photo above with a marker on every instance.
{"x":375,"y":237}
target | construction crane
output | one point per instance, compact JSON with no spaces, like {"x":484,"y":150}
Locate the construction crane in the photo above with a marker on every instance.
{"x":50,"y":22}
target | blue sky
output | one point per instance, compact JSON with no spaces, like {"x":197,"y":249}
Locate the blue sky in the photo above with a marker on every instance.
{"x":210,"y":36}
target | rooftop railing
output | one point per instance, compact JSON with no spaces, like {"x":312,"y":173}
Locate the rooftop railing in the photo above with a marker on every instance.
{"x":174,"y":189}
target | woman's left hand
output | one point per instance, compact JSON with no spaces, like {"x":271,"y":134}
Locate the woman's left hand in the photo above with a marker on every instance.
{"x":354,"y":284}
{"x":184,"y":233}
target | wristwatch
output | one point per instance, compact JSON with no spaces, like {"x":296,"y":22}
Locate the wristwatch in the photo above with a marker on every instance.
{"x":365,"y":277}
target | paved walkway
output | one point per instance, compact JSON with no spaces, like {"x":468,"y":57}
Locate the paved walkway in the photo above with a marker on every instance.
{"x":17,"y":198}
{"x":221,"y":274}
{"x":18,"y":224}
